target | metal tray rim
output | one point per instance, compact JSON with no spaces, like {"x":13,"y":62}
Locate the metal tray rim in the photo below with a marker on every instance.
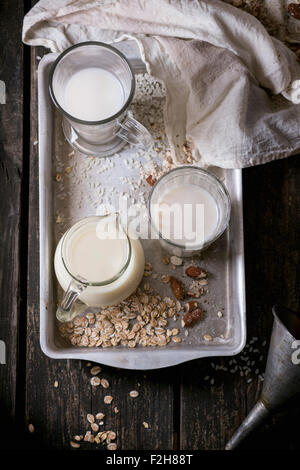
{"x":141,"y":359}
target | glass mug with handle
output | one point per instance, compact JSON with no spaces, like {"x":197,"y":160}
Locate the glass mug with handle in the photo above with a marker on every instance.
{"x":97,"y":262}
{"x":92,"y":84}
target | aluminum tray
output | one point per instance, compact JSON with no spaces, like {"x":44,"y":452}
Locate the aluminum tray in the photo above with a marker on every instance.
{"x":78,"y":195}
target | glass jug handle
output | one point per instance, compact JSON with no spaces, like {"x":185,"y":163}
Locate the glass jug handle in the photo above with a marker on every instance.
{"x":138,"y":65}
{"x":66,"y":311}
{"x":134,"y":132}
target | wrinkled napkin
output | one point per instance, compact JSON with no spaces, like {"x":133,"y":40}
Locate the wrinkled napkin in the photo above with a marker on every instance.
{"x":232,"y":91}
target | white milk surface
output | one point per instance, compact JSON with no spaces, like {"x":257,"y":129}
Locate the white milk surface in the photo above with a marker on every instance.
{"x":198,"y":212}
{"x":93,"y":94}
{"x":97,"y":260}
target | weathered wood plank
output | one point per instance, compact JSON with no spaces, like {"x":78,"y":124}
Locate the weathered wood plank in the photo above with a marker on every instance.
{"x":210,"y":408}
{"x":11,"y":177}
{"x":209,"y":412}
{"x":272,"y":223}
{"x":59,"y":413}
{"x":154,"y":406}
{"x":272,"y":242}
{"x":54,"y":412}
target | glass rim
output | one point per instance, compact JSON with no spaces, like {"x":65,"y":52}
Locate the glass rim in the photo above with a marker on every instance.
{"x":216,"y":235}
{"x":106,"y":46}
{"x":77,"y":226}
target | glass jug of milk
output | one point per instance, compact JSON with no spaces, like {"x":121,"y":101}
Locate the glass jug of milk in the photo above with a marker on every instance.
{"x":93,"y":84}
{"x":97,"y":262}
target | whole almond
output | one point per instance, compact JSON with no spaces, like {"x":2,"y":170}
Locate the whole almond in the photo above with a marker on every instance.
{"x":191,"y":318}
{"x":195,"y":272}
{"x":177,"y":288}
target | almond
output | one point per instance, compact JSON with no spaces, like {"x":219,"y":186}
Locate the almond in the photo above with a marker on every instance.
{"x":191,"y":318}
{"x":177,"y":288}
{"x":150,"y":180}
{"x":294,"y":10}
{"x":195,"y":272}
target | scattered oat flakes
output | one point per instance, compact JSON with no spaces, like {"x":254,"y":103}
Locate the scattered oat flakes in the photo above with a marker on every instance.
{"x":89,"y":437}
{"x":111,"y":435}
{"x":134,"y":393}
{"x":195,"y":289}
{"x":108,"y":399}
{"x":95,"y":381}
{"x":95,"y":370}
{"x":165,"y":259}
{"x":68,"y":169}
{"x":55,"y":385}
{"x":104,"y":383}
{"x":78,"y":438}
{"x":176,"y":339}
{"x":146,"y":425}
{"x":165,"y":278}
{"x":100,"y":416}
{"x":176,"y":261}
{"x":90,"y":418}
{"x":112,"y":446}
{"x":95,"y":427}
{"x":75,"y":445}
{"x":116,"y":410}
{"x":58,"y":177}
{"x":207,"y":337}
{"x":191,"y":305}
{"x":30,"y":427}
{"x":220,"y":314}
{"x":148,"y":270}
{"x":147,"y":287}
{"x":111,"y":326}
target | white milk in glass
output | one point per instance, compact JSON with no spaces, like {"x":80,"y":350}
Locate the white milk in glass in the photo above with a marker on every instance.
{"x":97,"y":260}
{"x":186,"y":214}
{"x":93,"y":94}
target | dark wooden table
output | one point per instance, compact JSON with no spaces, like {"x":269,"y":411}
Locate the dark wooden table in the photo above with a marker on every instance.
{"x":184,"y":410}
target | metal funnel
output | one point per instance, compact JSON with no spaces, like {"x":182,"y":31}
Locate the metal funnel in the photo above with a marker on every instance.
{"x":282,"y":375}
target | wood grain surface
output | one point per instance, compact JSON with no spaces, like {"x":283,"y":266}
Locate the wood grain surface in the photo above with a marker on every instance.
{"x":193,"y":406}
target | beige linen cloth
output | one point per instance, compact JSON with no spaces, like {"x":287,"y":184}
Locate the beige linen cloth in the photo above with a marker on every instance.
{"x":232,"y":90}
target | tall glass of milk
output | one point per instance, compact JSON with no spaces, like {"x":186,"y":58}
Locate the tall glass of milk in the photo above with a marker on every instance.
{"x":93,"y":84}
{"x":97,"y":262}
{"x":189,"y":208}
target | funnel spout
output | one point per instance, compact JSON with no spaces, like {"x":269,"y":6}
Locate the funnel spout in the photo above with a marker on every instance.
{"x":282,"y":376}
{"x":254,"y":419}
